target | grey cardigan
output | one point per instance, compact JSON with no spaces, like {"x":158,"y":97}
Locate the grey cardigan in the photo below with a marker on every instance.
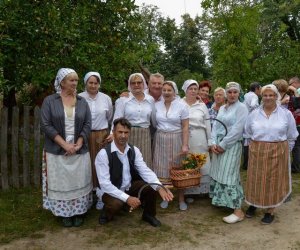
{"x":53,"y":123}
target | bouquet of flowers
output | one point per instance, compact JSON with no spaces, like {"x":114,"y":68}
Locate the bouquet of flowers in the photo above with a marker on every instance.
{"x":193,"y":161}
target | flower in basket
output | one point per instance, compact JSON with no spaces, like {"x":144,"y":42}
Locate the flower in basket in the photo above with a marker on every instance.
{"x":193,"y":161}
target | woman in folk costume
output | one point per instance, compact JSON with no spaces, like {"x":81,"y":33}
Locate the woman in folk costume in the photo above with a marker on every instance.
{"x":139,"y":110}
{"x":66,"y":122}
{"x":102,"y":111}
{"x":172,"y":135}
{"x":226,"y":189}
{"x":200,"y":133}
{"x":272,"y":132}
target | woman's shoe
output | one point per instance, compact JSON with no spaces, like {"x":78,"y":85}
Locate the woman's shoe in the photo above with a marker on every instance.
{"x":267,"y":219}
{"x":67,"y":222}
{"x":164,"y":204}
{"x":189,"y":200}
{"x":99,"y":205}
{"x":250,"y":211}
{"x":231,"y":219}
{"x":77,"y":221}
{"x":183,"y":206}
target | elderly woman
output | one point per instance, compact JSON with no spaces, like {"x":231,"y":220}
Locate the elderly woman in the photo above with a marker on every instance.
{"x":219,"y":98}
{"x":172,"y":135}
{"x":101,"y":110}
{"x":200,"y":133}
{"x":67,"y":178}
{"x":272,"y":131}
{"x":139,"y":110}
{"x":204,"y":89}
{"x":226,"y":189}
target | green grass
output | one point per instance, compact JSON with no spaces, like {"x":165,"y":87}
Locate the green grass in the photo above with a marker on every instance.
{"x":21,"y":215}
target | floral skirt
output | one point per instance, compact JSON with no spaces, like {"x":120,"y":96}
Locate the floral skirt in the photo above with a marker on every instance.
{"x":64,"y":208}
{"x":224,"y":195}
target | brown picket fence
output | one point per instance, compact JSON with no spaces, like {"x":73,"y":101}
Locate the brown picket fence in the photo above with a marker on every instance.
{"x":21,"y":147}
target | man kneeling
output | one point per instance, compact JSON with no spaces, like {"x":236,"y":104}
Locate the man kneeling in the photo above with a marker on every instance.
{"x":121,"y":172}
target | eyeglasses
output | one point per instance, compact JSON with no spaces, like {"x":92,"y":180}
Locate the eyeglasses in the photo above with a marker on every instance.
{"x":268,"y":96}
{"x":138,"y":83}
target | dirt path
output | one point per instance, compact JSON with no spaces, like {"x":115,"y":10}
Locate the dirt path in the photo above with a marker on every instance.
{"x":198,"y":228}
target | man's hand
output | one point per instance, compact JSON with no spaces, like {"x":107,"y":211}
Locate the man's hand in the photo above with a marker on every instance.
{"x":166,"y":195}
{"x":133,"y":202}
{"x":294,"y":90}
{"x":124,"y":94}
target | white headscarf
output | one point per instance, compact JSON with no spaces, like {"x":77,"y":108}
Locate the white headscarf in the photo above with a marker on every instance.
{"x":274,"y":89}
{"x":271,"y":87}
{"x":61,"y":74}
{"x":188,"y":83}
{"x":141,"y":76}
{"x":233,"y":85}
{"x":89,"y":74}
{"x":174,"y":86}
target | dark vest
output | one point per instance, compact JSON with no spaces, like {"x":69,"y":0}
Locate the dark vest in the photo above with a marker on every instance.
{"x":116,"y":166}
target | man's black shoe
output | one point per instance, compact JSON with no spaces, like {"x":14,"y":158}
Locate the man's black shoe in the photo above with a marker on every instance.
{"x":151,"y":220}
{"x":103,"y":218}
{"x":250,"y":211}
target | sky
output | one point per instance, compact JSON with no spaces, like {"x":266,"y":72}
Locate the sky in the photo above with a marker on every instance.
{"x":175,"y":8}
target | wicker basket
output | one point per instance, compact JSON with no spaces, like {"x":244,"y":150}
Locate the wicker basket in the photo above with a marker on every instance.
{"x":182,"y":178}
{"x":185,"y":178}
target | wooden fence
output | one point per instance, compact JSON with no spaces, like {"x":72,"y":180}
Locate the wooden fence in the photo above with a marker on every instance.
{"x":20,"y":154}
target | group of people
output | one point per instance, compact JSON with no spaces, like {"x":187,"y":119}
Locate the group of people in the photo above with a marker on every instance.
{"x":88,"y":146}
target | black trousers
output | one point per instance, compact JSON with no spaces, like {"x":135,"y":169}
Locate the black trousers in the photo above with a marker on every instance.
{"x":296,"y":155}
{"x":113,"y":205}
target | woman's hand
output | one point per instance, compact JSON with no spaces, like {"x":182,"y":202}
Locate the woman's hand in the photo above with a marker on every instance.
{"x":220,"y":149}
{"x":217,"y":149}
{"x":185,"y":149}
{"x":70,"y":148}
{"x":78,"y":146}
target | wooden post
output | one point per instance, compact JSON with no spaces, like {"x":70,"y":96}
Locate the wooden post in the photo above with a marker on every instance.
{"x":26,"y":147}
{"x":4,"y":165}
{"x":15,"y":147}
{"x":37,"y":153}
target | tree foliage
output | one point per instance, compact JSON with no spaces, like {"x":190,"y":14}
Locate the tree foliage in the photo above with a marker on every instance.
{"x":253,"y":40}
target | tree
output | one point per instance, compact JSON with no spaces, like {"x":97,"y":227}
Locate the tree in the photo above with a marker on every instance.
{"x":233,"y":41}
{"x":38,"y":37}
{"x":182,"y":47}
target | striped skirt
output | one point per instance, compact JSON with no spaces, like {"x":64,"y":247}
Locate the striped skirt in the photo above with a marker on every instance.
{"x":225,"y":168}
{"x":268,"y":176}
{"x":96,"y":142}
{"x":140,"y":137}
{"x":167,"y":146}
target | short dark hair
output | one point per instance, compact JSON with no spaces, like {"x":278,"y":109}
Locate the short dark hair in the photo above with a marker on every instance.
{"x":254,"y":86}
{"x":205,"y":83}
{"x":122,"y":121}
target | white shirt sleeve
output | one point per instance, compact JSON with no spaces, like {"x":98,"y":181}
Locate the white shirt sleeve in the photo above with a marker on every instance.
{"x":235,"y":133}
{"x":145,"y":172}
{"x":254,"y":102}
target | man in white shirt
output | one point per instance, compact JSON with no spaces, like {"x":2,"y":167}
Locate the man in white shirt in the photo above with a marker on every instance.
{"x":155,"y":85}
{"x":154,"y":89}
{"x":122,"y":171}
{"x":251,"y":98}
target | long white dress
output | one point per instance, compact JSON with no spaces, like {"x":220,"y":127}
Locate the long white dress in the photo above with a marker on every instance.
{"x":199,"y":141}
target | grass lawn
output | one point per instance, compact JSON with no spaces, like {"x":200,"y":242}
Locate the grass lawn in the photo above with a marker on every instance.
{"x":22,"y":215}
